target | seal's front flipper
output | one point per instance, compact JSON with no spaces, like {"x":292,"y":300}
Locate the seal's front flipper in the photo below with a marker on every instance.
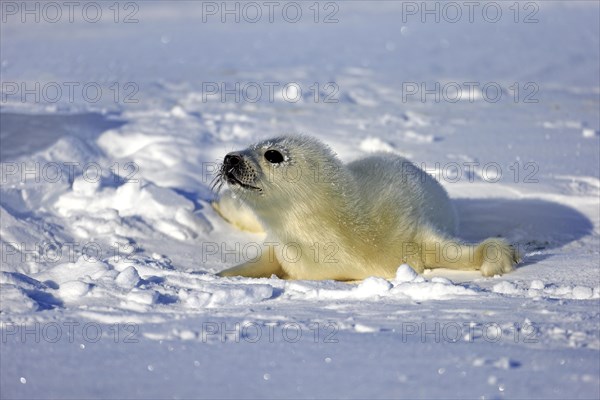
{"x":237,"y":213}
{"x":265,"y":266}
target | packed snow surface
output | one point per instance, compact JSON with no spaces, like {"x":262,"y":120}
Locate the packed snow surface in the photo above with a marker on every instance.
{"x":112,"y":132}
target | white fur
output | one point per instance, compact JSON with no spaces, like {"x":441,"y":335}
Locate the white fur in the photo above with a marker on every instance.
{"x":237,"y":213}
{"x":326,"y":220}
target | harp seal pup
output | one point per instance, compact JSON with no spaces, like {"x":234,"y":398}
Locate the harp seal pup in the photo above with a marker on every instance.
{"x":327,"y":220}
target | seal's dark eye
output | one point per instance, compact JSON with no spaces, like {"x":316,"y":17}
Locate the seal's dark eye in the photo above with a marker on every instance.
{"x":273,"y":156}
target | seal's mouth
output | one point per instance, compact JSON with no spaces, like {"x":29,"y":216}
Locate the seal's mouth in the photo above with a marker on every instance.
{"x":236,"y":172}
{"x":233,"y":180}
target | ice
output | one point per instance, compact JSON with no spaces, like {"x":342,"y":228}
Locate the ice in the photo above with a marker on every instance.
{"x":536,"y":284}
{"x":405,"y":273}
{"x":128,"y":278}
{"x":589,"y":133}
{"x":372,"y":287}
{"x":73,"y":290}
{"x":372,"y":145}
{"x":582,"y":292}
{"x":506,"y":288}
{"x":107,"y":281}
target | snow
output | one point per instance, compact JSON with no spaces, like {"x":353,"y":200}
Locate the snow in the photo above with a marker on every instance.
{"x":110,"y":244}
{"x":405,"y":273}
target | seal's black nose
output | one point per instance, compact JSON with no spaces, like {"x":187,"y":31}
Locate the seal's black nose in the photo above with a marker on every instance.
{"x":232,"y":160}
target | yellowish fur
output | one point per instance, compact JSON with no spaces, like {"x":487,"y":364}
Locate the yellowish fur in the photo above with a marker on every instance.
{"x":326,"y":220}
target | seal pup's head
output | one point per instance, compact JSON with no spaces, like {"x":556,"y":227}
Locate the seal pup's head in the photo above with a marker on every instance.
{"x":291,"y":174}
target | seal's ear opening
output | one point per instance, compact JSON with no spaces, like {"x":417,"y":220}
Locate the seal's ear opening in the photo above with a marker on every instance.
{"x":273,"y":156}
